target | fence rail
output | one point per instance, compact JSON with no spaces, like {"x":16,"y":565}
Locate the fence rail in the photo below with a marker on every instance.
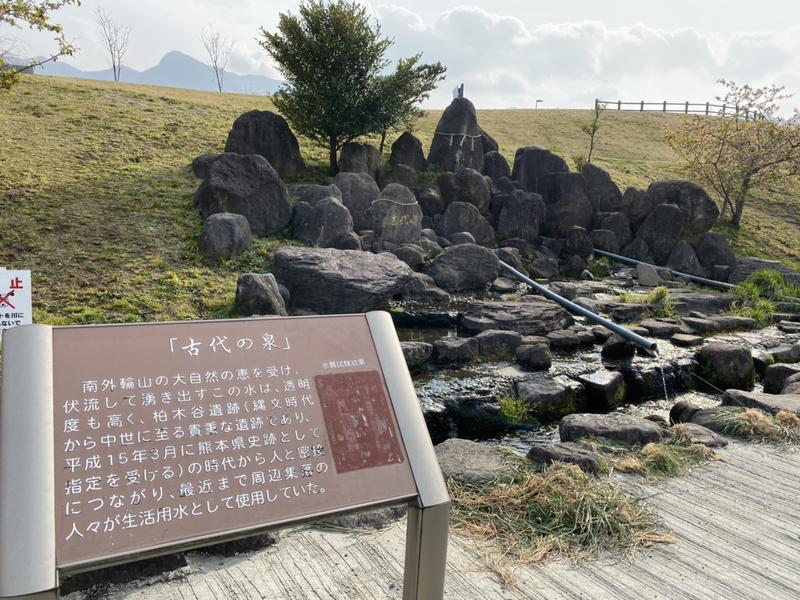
{"x":687,"y":108}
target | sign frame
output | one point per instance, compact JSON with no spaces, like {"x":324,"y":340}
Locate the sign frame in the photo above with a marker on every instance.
{"x":28,"y":566}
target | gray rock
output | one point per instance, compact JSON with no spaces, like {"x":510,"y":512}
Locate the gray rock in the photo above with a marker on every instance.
{"x":749,"y":264}
{"x":358,"y":190}
{"x":617,"y":347}
{"x":512,"y":257}
{"x":532,"y":316}
{"x":461,"y":237}
{"x":577,"y":242}
{"x":658,"y":328}
{"x":456,"y":142}
{"x":422,"y":288}
{"x":771,"y":403}
{"x":544,"y":267}
{"x":661,"y":230}
{"x":638,"y":249}
{"x":349,"y":241}
{"x":604,"y":239}
{"x":570,"y":452}
{"x":521,"y":217}
{"x":258,"y":294}
{"x":619,"y":224}
{"x":455,"y":350}
{"x":224,"y":235}
{"x":647,"y":276}
{"x":613,"y":426}
{"x":407,"y":150}
{"x":465,"y":185}
{"x":324,"y":224}
{"x":495,"y":165}
{"x":785,"y":353}
{"x":416,"y":354}
{"x":588,"y":304}
{"x":488,"y":143}
{"x":568,"y":203}
{"x":202,"y":164}
{"x":431,"y":201}
{"x":604,"y":389}
{"x":329,"y":281}
{"x":536,"y":357}
{"x":268,"y":134}
{"x":504,"y":285}
{"x":431,"y":249}
{"x":395,"y":216}
{"x":550,"y":398}
{"x":792,"y":385}
{"x":776,"y":376}
{"x":603,"y":192}
{"x":498,"y":343}
{"x":563,"y":339}
{"x":359,"y":158}
{"x":682,"y":412}
{"x":247,"y":185}
{"x":469,"y":462}
{"x":462,"y":216}
{"x":727,"y":366}
{"x":410,"y":254}
{"x":311,"y":193}
{"x":698,"y":210}
{"x":698,"y":434}
{"x":402,"y":174}
{"x":573,"y":266}
{"x":683,"y":259}
{"x":464,"y":267}
{"x":637,"y":205}
{"x":532,"y":165}
{"x":713,"y":249}
{"x":701,"y":325}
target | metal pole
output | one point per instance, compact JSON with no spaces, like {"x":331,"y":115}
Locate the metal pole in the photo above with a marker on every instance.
{"x":648,"y":345}
{"x":633,"y":261}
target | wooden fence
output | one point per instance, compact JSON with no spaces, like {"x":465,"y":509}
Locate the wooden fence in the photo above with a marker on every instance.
{"x":687,"y":108}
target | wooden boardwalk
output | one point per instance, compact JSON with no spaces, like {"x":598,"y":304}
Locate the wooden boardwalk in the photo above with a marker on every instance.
{"x":737,"y":521}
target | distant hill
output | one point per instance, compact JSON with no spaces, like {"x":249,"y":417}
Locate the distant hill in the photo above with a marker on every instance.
{"x":175,"y":69}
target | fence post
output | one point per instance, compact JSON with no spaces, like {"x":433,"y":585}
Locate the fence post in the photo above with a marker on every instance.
{"x":641,"y":107}
{"x":686,"y":108}
{"x":665,"y":106}
{"x":706,"y":108}
{"x":723,"y":109}
{"x":619,"y":104}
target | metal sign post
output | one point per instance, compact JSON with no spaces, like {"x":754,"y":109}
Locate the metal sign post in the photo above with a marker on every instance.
{"x":129,"y":441}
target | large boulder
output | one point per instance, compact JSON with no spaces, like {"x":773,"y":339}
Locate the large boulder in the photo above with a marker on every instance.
{"x":202,"y":164}
{"x":224,"y":235}
{"x":329,"y":281}
{"x":637,"y":205}
{"x":324,"y":224}
{"x":683,"y":259}
{"x":776,"y":375}
{"x":488,"y":143}
{"x":577,"y":243}
{"x":457,"y":140}
{"x":531,"y":316}
{"x":465,"y":267}
{"x":258,"y":294}
{"x":470,"y":462}
{"x":268,"y":134}
{"x":550,"y":398}
{"x":402,"y":174}
{"x":431,"y":201}
{"x":698,"y":210}
{"x":521,"y":217}
{"x":568,"y":203}
{"x":532,"y":165}
{"x":770,"y":403}
{"x":311,"y":193}
{"x":245,"y":184}
{"x":638,"y":249}
{"x":727,"y":366}
{"x":455,"y":350}
{"x":713,"y":249}
{"x":603,"y":192}
{"x":661,"y":230}
{"x":619,"y":224}
{"x":358,"y":190}
{"x":416,"y":354}
{"x":570,"y":452}
{"x":750,"y":264}
{"x":604,"y":239}
{"x":495,"y":166}
{"x":359,"y":158}
{"x":395,"y":216}
{"x":407,"y":150}
{"x":617,"y":427}
{"x":461,"y":216}
{"x":465,"y":185}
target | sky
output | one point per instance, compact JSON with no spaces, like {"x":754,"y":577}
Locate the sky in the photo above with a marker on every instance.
{"x":508,"y":53}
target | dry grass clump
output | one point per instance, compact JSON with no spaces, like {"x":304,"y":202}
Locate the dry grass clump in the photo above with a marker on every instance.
{"x":754,"y":424}
{"x":558,"y":511}
{"x":664,"y":459}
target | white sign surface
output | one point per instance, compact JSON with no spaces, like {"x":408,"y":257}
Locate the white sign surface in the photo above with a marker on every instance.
{"x":15,"y":299}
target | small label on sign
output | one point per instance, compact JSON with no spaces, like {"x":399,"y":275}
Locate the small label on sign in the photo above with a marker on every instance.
{"x":15,"y":299}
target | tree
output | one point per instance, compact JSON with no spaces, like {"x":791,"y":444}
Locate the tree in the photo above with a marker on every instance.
{"x":332,"y":57}
{"x":592,"y":127}
{"x":34,"y":15}
{"x":219,"y":52}
{"x":399,"y":94}
{"x":115,"y":39}
{"x":736,"y":154}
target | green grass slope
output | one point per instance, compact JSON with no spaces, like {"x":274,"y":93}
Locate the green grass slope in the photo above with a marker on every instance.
{"x":96,"y":192}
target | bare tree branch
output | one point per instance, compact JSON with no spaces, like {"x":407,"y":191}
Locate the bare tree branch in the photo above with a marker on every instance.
{"x":219,"y":52}
{"x":115,"y":39}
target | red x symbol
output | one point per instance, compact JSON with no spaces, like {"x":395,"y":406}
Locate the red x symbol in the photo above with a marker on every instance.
{"x":4,"y":299}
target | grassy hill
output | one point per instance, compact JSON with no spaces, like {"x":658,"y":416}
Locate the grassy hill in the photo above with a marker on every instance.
{"x":95,"y":192}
